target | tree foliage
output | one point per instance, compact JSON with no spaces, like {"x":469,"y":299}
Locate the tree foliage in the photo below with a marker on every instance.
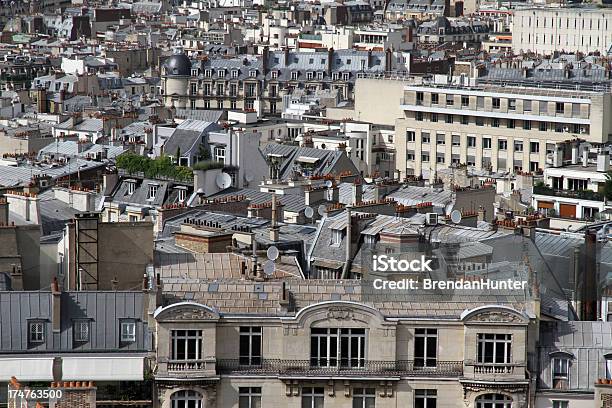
{"x":160,"y":167}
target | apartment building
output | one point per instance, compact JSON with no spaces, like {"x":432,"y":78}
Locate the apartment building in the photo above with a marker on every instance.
{"x":497,"y":127}
{"x":546,"y":30}
{"x":327,"y":344}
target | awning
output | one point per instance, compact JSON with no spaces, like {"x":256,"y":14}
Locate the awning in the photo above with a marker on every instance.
{"x":328,"y":264}
{"x":27,"y":368}
{"x":103,"y":368}
{"x":546,"y":204}
{"x":306,"y":159}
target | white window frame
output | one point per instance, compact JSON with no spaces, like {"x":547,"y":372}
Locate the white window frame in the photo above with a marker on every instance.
{"x":336,"y":236}
{"x":152,"y":192}
{"x":313,"y":397}
{"x":234,"y":73}
{"x":221,"y":73}
{"x":219,"y":153}
{"x":560,"y":404}
{"x":189,"y":335}
{"x":325,"y":356}
{"x":428,"y":397}
{"x":128,"y":331}
{"x":500,"y":340}
{"x":80,"y":329}
{"x":186,"y":397}
{"x":131,"y":187}
{"x":251,"y":356}
{"x":252,"y":396}
{"x":36,"y":331}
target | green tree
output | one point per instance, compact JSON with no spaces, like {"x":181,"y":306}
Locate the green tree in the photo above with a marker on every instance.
{"x":608,"y":186}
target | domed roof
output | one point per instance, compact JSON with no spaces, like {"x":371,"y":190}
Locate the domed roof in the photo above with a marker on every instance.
{"x":178,"y":65}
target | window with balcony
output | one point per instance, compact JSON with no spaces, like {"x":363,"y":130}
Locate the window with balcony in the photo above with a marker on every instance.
{"x":234,"y":73}
{"x":186,"y":344}
{"x":465,"y":120}
{"x":221,"y":73}
{"x":249,"y":397}
{"x":186,"y":399}
{"x":510,"y":124}
{"x":419,"y":98}
{"x":425,"y":398}
{"x":560,"y":372}
{"x":440,"y":139}
{"x":494,"y":401}
{"x":333,"y":347}
{"x":543,"y":126}
{"x":479,"y":121}
{"x":449,"y":118}
{"x":194,"y":89}
{"x":36,"y":330}
{"x":313,"y":397}
{"x":434,"y":117}
{"x":418,"y":116}
{"x":250,"y":345}
{"x":364,"y":397}
{"x":511,"y":104}
{"x":425,"y":347}
{"x":494,"y":348}
{"x":425,"y":157}
{"x":220,"y":90}
{"x":495,"y":122}
{"x":559,"y":107}
{"x":80,"y":331}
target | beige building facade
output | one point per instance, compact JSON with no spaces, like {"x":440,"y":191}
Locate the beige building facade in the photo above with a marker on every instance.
{"x":340,"y":354}
{"x":499,"y":128}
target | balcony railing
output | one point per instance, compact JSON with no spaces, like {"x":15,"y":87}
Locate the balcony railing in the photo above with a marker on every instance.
{"x":189,"y":365}
{"x":367,"y":368}
{"x":580,"y":194}
{"x":497,"y":368}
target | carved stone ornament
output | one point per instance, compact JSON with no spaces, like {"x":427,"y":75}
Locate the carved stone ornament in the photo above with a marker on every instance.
{"x":187,"y":313}
{"x":496,"y":317}
{"x":340,"y":313}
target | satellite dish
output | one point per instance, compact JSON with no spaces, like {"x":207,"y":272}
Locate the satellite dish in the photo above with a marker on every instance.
{"x":328,"y":183}
{"x":321,"y":210}
{"x":223,"y":180}
{"x":456,"y":216}
{"x":308,"y":212}
{"x":272,"y":253}
{"x":269,"y":267}
{"x":248,"y":177}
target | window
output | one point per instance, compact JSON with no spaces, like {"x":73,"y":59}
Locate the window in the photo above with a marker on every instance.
{"x":543,"y":126}
{"x":364,"y":397}
{"x":425,"y":398}
{"x":253,"y":73}
{"x":450,"y":100}
{"x":313,"y":397}
{"x":456,"y":140}
{"x":510,"y":124}
{"x":486,"y":142}
{"x":518,"y":146}
{"x":80,"y":329}
{"x":418,"y":116}
{"x":449,"y":118}
{"x":186,"y":344}
{"x":496,"y":103}
{"x":219,"y":153}
{"x":560,"y":373}
{"x":440,"y":139}
{"x":502,"y":144}
{"x":559,"y":107}
{"x":294,"y":75}
{"x":152,"y":191}
{"x":128,"y":331}
{"x":274,"y":74}
{"x":434,"y":117}
{"x":346,"y":76}
{"x":332,"y":347}
{"x":249,"y":397}
{"x":511,"y":104}
{"x":336,"y":237}
{"x":320,"y":76}
{"x":131,"y":187}
{"x":479,"y":121}
{"x":425,"y":347}
{"x":527,"y":106}
{"x":186,"y":399}
{"x":495,"y":122}
{"x":37,"y":332}
{"x":234,"y":73}
{"x":534,"y":147}
{"x":221,"y":73}
{"x":560,"y":404}
{"x":465,"y":101}
{"x":410,"y":136}
{"x":250,"y":345}
{"x":419,"y":98}
{"x":494,"y":401}
{"x":309,"y":75}
{"x":494,"y":348}
{"x":471,"y":141}
{"x":425,"y":137}
{"x":434,"y":99}
{"x":425,"y":157}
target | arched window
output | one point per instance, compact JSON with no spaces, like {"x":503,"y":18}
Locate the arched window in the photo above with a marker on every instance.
{"x":186,"y":399}
{"x":494,"y":401}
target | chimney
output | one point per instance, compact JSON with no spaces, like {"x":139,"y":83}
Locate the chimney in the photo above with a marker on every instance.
{"x":575,"y":152}
{"x":56,"y":305}
{"x":482,"y":214}
{"x":274,"y":227}
{"x":558,"y":156}
{"x":286,"y":56}
{"x":589,"y":279}
{"x":16,"y":277}
{"x":4,"y":211}
{"x":266,"y":59}
{"x":603,"y":160}
{"x":369,"y":58}
{"x":585,"y":154}
{"x":357,"y":193}
{"x":388,"y":60}
{"x":349,"y":243}
{"x":330,"y":61}
{"x":334,"y":193}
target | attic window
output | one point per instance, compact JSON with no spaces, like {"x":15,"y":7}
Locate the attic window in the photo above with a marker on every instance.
{"x":294,"y":75}
{"x":336,"y":237}
{"x":182,"y":193}
{"x":131,"y":187}
{"x":221,"y":73}
{"x":152,"y":191}
{"x":207,"y":73}
{"x":309,"y":75}
{"x":274,"y":74}
{"x":235,"y":73}
{"x":319,"y":76}
{"x":253,"y":73}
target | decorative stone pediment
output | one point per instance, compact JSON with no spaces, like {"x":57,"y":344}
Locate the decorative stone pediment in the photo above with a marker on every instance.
{"x":340,"y":313}
{"x":494,"y":315}
{"x":186,"y":311}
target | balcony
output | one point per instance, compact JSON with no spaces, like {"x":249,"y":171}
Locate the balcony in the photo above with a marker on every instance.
{"x":494,"y":368}
{"x":304,"y":368}
{"x":580,"y":194}
{"x":495,"y":371}
{"x":187,"y":368}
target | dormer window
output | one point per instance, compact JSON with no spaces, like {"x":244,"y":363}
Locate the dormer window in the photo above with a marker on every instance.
{"x":152,"y":191}
{"x":336,"y":236}
{"x":320,"y":76}
{"x":234,"y":73}
{"x":335,"y":76}
{"x":294,"y":76}
{"x":181,"y":193}
{"x":309,"y":75}
{"x":274,"y":74}
{"x":208,"y":73}
{"x":221,"y":73}
{"x":36,"y":331}
{"x":560,"y":372}
{"x":194,"y":72}
{"x":131,"y":187}
{"x":345,"y":76}
{"x":253,"y":73}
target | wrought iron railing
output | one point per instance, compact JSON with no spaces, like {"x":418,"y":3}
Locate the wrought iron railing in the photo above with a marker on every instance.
{"x":359,"y":369}
{"x":580,"y":194}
